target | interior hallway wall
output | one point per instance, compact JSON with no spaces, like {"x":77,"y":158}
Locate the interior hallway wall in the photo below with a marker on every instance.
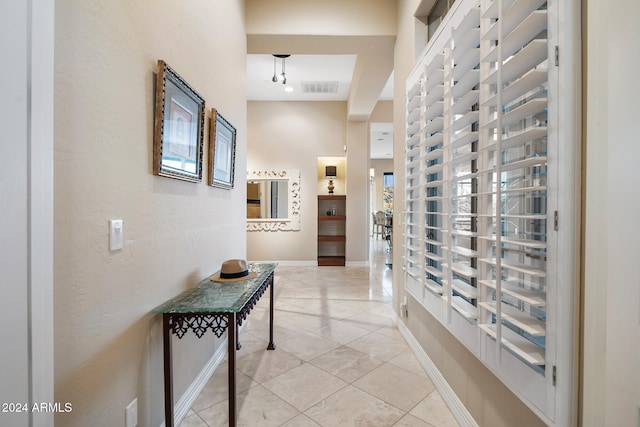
{"x":292,"y":135}
{"x":611,"y":269}
{"x":108,"y":344}
{"x":357,"y":246}
{"x":26,"y":208}
{"x":335,"y":17}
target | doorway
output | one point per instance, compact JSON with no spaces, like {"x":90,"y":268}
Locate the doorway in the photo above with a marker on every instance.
{"x":381,"y":175}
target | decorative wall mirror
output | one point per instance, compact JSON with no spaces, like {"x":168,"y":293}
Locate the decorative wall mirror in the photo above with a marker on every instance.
{"x":273,"y":200}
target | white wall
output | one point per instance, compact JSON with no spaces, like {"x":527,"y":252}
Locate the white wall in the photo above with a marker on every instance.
{"x":612,"y":271}
{"x":13,"y":229}
{"x":312,"y":17}
{"x":26,"y":208}
{"x":108,"y":344}
{"x":405,"y":58}
{"x":292,"y":135}
{"x":357,"y":246}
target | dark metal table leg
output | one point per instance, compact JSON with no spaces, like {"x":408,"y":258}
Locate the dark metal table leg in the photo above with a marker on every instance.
{"x":231,"y":348}
{"x":238,"y":345}
{"x":168,"y":371}
{"x":272,"y":345}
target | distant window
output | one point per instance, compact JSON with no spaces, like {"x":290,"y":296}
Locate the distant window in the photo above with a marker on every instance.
{"x":387,"y":192}
{"x":437,"y":14}
{"x":387,"y":179}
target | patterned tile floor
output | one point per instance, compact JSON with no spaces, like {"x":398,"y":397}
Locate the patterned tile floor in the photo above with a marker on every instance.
{"x":340,"y":361}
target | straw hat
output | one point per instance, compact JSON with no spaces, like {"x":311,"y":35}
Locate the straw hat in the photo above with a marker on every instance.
{"x":233,"y":270}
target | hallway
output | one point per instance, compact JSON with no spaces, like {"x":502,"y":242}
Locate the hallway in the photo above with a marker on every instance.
{"x":340,"y":361}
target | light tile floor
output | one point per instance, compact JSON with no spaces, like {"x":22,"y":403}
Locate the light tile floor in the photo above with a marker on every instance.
{"x":339,"y":361}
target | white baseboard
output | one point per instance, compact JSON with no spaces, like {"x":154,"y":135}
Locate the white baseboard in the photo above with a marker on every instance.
{"x":181,"y":408}
{"x":357,"y":264}
{"x":459,"y":411}
{"x":293,"y":263}
{"x":186,"y":401}
{"x":315,"y":263}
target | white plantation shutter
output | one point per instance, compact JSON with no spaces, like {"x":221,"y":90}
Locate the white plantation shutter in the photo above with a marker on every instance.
{"x":433,"y":173}
{"x":482,"y":192}
{"x":463,"y":76}
{"x":413,"y":184}
{"x":513,"y":226}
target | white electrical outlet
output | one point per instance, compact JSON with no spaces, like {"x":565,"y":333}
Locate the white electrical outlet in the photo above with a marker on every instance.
{"x":131,"y":414}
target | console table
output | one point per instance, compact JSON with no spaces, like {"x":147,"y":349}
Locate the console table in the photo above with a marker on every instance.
{"x":219,"y":307}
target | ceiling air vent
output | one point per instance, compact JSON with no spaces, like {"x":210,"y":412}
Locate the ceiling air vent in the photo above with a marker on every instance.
{"x":319,"y":87}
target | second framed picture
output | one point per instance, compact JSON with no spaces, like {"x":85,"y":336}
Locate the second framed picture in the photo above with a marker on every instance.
{"x":222,"y":151}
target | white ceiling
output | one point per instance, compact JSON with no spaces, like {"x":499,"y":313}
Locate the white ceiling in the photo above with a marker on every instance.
{"x":315,"y":68}
{"x":299,"y":68}
{"x":381,"y":141}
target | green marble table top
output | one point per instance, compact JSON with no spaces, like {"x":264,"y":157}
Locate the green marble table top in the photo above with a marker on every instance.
{"x":216,"y":297}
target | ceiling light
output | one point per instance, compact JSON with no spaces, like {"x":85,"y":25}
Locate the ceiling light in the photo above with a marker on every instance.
{"x":282,"y":76}
{"x":275,"y":77}
{"x":288,"y":89}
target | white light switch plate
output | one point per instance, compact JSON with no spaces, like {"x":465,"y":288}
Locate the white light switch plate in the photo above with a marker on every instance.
{"x":131,"y":414}
{"x":115,"y":234}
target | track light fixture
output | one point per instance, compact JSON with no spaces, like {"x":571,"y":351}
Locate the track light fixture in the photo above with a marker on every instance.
{"x":275,"y":77}
{"x":282,"y":76}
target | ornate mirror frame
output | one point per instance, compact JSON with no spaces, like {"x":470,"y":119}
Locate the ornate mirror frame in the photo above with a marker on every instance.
{"x":292,"y":222}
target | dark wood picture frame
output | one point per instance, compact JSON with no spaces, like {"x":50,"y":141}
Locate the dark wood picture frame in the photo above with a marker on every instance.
{"x":222,"y":151}
{"x":179,"y":127}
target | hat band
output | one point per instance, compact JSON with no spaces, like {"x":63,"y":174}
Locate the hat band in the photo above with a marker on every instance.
{"x":234,"y":275}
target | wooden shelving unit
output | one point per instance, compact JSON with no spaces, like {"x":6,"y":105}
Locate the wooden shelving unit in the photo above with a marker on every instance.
{"x":331,"y":230}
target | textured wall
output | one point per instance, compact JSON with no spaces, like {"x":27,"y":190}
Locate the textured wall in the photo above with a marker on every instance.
{"x":292,"y":135}
{"x":335,"y":17}
{"x":14,"y":207}
{"x":357,"y":246}
{"x":107,"y":343}
{"x":611,"y":287}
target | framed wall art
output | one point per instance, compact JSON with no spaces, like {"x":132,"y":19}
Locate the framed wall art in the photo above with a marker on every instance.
{"x":179,"y":127}
{"x":222,"y":151}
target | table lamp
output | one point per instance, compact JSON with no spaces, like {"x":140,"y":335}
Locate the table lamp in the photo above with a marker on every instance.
{"x":330,"y":172}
